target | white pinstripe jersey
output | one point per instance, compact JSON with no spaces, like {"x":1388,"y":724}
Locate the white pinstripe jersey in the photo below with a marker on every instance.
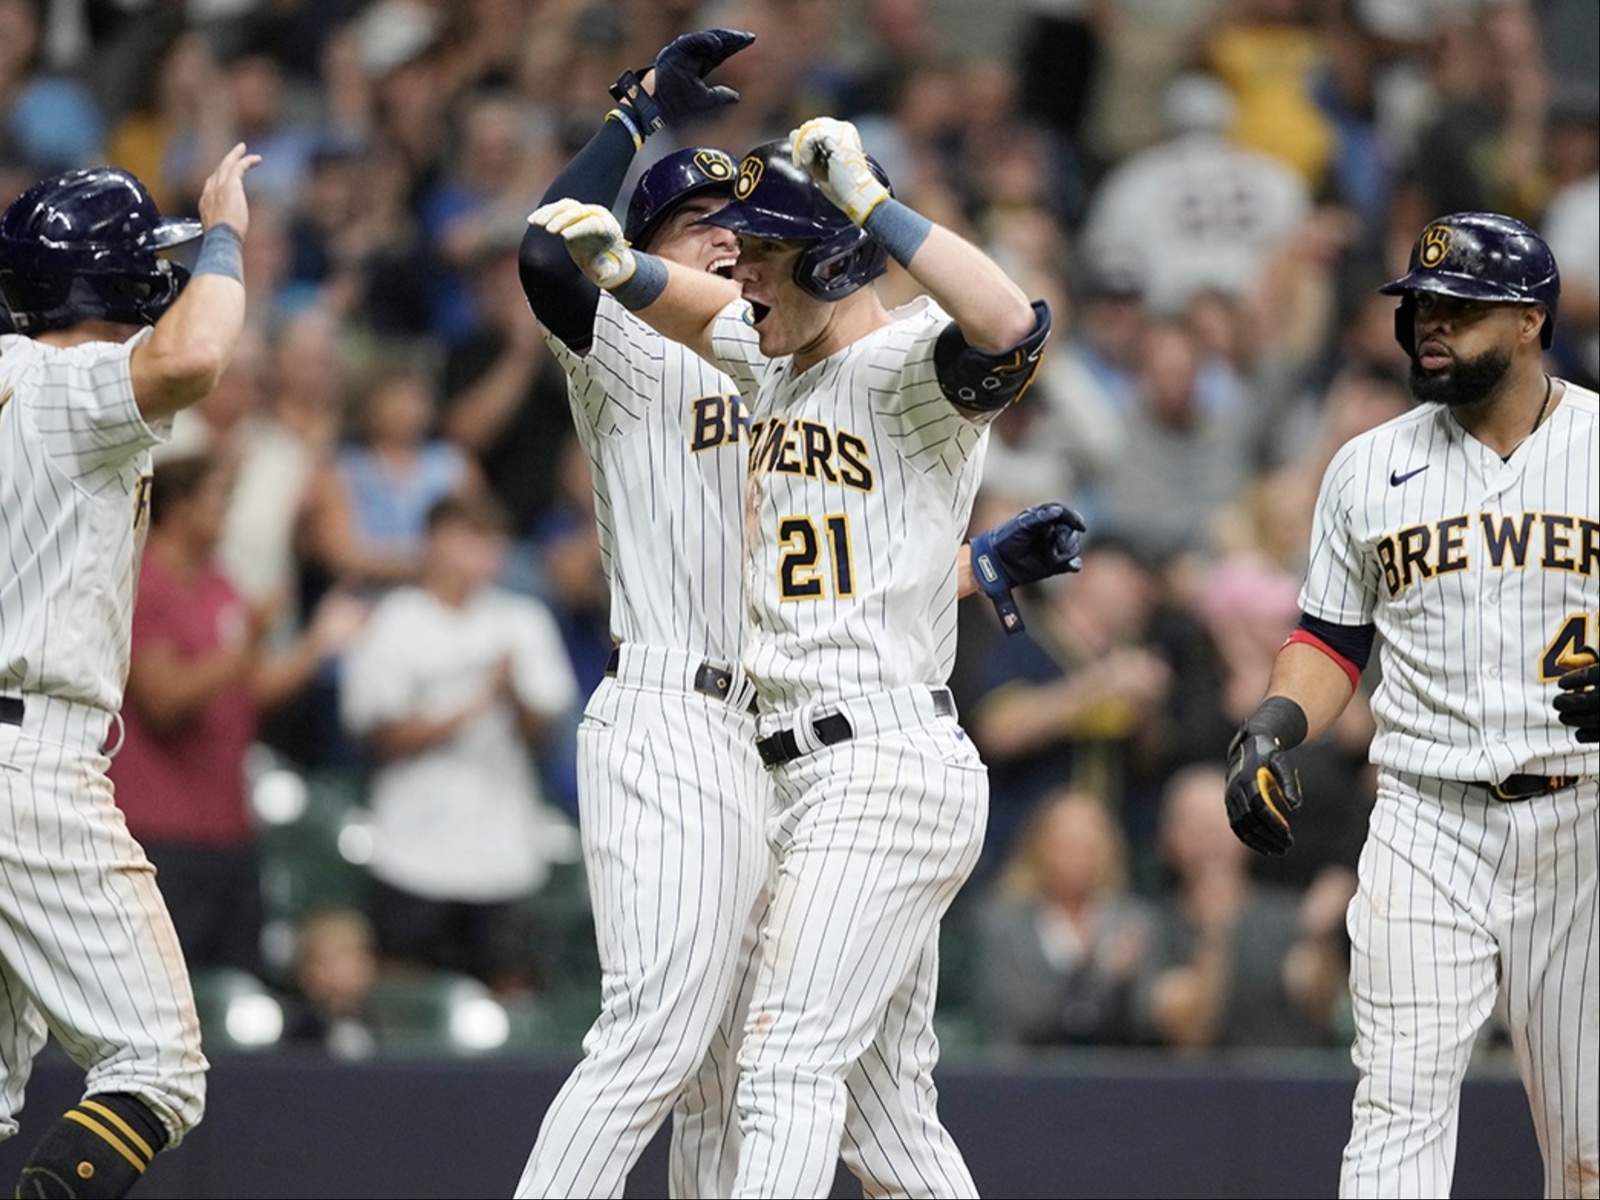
{"x":74,"y":478}
{"x":663,"y":430}
{"x":861,"y":482}
{"x":1478,"y":573}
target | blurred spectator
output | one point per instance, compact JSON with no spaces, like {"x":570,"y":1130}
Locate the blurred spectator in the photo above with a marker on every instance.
{"x":1195,"y":212}
{"x":335,"y":968}
{"x":450,"y":684}
{"x":1268,"y":52}
{"x":1058,"y":54}
{"x":1062,"y":938}
{"x":369,"y":509}
{"x":1483,"y":149}
{"x":1572,"y":227}
{"x":480,"y":202}
{"x":506,"y":397}
{"x":175,"y":94}
{"x":248,"y":107}
{"x":353,"y":244}
{"x":1145,"y":45}
{"x":1363,"y":163}
{"x":199,"y":678}
{"x":1074,"y":698}
{"x":46,"y":119}
{"x":1180,"y":464}
{"x":1236,"y":963}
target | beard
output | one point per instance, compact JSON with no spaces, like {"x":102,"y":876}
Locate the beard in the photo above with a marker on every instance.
{"x":1465,"y":382}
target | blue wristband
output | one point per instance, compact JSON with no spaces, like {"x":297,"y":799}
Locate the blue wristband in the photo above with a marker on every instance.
{"x":221,"y":253}
{"x":898,"y":228}
{"x":990,"y":575}
{"x":648,"y":281}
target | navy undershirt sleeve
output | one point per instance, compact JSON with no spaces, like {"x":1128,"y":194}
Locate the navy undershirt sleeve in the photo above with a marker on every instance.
{"x":560,"y":296}
{"x":1352,"y":641}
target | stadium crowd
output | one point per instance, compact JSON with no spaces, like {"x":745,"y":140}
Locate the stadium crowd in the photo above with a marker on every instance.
{"x":1207,"y":192}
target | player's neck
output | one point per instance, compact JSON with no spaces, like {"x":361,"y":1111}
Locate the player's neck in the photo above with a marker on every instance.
{"x":850,"y":320}
{"x":85,"y":332}
{"x":1509,"y":417}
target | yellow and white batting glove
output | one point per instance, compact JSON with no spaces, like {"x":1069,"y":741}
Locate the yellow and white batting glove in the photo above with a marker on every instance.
{"x":830,"y":151}
{"x":593,"y":237}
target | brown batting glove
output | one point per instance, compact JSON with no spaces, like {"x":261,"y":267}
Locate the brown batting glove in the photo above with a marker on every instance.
{"x":1577,"y":704}
{"x":1263,"y":788}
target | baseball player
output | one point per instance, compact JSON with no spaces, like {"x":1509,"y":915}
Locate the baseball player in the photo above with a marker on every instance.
{"x":672,"y":793}
{"x":864,"y":452}
{"x":112,"y":340}
{"x":1464,"y":538}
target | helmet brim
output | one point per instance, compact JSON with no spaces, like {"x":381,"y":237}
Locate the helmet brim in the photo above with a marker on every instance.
{"x":1452,"y":283}
{"x":172,"y":231}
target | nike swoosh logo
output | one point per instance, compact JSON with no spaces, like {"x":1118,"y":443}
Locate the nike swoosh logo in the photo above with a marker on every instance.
{"x":1396,"y":479}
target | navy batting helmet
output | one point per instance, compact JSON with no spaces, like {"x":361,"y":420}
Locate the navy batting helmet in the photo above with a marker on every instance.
{"x":775,"y":198}
{"x":1477,"y":256}
{"x":84,"y":246}
{"x":669,"y":182}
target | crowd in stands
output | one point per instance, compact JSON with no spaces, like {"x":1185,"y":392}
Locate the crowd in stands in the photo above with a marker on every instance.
{"x":373,"y":546}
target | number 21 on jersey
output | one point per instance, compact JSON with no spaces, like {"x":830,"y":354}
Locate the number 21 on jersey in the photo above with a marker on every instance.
{"x":800,"y":571}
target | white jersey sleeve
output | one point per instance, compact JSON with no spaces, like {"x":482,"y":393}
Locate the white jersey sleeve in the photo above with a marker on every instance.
{"x":909,"y":403}
{"x":1342,"y":581}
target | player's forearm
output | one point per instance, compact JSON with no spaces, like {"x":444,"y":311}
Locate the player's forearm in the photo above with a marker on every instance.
{"x":966,"y":582}
{"x":189,"y":347}
{"x":687,"y":304}
{"x":1314,"y":681}
{"x":992,"y":312}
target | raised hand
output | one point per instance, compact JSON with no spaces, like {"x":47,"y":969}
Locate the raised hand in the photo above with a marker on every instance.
{"x":1038,"y":542}
{"x":222,"y":199}
{"x":593,"y":237}
{"x":830,"y":151}
{"x":680,"y":85}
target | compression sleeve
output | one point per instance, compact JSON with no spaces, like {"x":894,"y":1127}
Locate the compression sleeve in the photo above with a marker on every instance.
{"x":560,"y":296}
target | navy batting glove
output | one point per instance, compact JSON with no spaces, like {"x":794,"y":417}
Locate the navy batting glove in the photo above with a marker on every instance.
{"x":1578,"y":703}
{"x":682,"y":67}
{"x":1038,"y":542}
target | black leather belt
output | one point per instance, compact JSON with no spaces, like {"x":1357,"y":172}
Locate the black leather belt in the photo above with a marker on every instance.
{"x":11,"y":710}
{"x":1525,"y":787}
{"x":710,"y":680}
{"x":782,"y":747}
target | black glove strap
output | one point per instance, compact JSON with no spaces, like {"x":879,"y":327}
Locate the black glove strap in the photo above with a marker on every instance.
{"x":1281,"y":719}
{"x":629,"y":93}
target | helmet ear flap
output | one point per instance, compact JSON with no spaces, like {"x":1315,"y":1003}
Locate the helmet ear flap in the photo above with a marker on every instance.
{"x":1405,"y":323}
